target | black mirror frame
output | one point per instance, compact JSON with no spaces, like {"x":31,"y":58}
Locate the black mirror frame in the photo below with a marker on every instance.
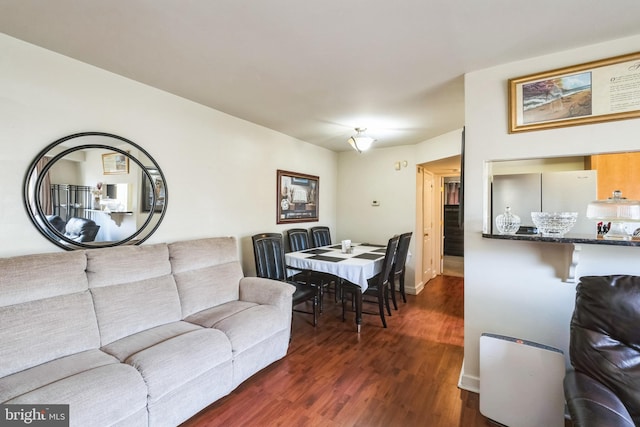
{"x":30,"y":194}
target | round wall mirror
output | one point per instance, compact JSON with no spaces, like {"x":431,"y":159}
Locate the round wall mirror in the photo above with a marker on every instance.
{"x":95,"y":190}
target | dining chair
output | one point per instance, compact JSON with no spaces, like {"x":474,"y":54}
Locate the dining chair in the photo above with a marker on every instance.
{"x":268,"y":250}
{"x":398,"y":269}
{"x":378,"y":285}
{"x":321,"y":236}
{"x":299,"y":241}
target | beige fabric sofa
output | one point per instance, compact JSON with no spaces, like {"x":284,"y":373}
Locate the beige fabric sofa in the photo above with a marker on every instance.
{"x":136,"y":335}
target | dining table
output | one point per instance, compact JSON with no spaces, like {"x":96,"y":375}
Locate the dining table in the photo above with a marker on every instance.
{"x":356,"y":265}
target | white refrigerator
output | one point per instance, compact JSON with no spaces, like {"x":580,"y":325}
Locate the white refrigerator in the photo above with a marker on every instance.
{"x":571,"y":192}
{"x":567,"y":191}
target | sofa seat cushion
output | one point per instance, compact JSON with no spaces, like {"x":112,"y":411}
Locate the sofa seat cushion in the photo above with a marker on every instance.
{"x":209,"y":317}
{"x":245,"y":324}
{"x":172,"y":362}
{"x":98,"y":393}
{"x":591,"y":403}
{"x":30,"y":379}
{"x":135,"y":343}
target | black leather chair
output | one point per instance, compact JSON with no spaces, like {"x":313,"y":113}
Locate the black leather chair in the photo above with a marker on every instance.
{"x":321,"y":236}
{"x":268,"y":249}
{"x":398,"y":269}
{"x":81,"y":229}
{"x":57,"y":222}
{"x":299,"y":241}
{"x":378,"y":285}
{"x":604,"y":387}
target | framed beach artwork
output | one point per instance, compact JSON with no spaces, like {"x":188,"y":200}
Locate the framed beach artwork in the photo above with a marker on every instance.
{"x":296,"y":197}
{"x":598,"y":91}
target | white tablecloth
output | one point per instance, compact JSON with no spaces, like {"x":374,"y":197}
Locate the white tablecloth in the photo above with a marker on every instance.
{"x":349,"y":266}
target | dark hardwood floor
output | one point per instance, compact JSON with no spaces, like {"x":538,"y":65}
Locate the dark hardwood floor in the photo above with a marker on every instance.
{"x":405,"y":375}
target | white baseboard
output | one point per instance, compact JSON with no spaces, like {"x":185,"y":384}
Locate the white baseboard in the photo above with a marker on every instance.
{"x":414,"y":291}
{"x":468,"y":382}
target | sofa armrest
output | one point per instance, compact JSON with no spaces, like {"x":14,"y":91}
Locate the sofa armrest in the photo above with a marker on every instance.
{"x":592,"y":404}
{"x":267,"y":291}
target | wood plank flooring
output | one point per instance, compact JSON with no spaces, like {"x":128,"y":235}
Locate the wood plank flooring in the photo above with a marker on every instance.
{"x":405,"y":375}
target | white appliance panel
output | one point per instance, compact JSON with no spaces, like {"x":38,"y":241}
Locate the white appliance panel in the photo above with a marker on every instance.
{"x":521,"y":382}
{"x":520,"y":192}
{"x":571,"y":191}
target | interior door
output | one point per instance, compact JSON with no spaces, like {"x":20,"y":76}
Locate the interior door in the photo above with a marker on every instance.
{"x":428,"y":252}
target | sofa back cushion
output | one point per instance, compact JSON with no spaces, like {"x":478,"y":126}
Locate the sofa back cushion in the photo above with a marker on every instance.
{"x":207,"y":272}
{"x":46,"y":310}
{"x":605,"y":337}
{"x":132,"y":289}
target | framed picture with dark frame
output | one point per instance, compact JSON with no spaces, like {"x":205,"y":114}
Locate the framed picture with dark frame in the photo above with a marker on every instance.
{"x":593,"y":92}
{"x":297,"y":196}
{"x":149,"y":189}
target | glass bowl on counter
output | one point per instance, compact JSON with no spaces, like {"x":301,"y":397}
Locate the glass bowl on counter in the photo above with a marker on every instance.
{"x":554,"y":224}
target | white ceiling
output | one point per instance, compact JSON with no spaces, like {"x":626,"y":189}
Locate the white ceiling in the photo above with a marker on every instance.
{"x":316,"y":70}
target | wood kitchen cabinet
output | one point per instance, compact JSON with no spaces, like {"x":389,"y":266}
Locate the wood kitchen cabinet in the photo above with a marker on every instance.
{"x":620,"y":171}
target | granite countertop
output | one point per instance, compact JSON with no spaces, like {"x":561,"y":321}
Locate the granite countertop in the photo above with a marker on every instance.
{"x":568,"y":238}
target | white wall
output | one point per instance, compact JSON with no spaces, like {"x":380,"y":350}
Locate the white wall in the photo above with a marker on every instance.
{"x":220,"y":170}
{"x":440,"y":147}
{"x":511,"y":287}
{"x":363,"y":178}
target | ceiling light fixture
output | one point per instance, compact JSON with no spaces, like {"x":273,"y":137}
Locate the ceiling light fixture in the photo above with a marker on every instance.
{"x":360,"y":142}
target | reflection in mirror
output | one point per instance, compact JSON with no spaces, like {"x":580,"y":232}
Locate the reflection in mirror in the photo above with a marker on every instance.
{"x":93,"y":190}
{"x":560,"y":184}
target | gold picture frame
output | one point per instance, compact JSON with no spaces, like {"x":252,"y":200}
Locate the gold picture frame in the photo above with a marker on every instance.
{"x":115,"y":164}
{"x":593,"y":92}
{"x":297,"y":197}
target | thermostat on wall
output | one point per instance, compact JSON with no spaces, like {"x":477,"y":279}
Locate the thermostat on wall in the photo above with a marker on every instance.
{"x":375,"y":203}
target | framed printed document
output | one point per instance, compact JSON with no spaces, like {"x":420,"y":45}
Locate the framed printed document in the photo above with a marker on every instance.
{"x":115,"y":164}
{"x":594,"y":92}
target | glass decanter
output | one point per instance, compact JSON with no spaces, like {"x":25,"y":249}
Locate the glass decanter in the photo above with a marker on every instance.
{"x":507,"y":222}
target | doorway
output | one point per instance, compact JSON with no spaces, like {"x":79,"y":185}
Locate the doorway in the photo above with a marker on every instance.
{"x":445,"y":249}
{"x":452,"y":232}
